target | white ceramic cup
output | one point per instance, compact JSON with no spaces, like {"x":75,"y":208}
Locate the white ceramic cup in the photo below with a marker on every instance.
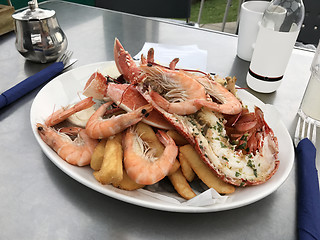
{"x":250,"y":17}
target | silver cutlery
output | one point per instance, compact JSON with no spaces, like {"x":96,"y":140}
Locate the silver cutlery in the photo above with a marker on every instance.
{"x":306,"y":128}
{"x":65,"y":58}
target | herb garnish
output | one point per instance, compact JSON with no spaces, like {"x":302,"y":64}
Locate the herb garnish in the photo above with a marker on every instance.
{"x":253,"y":167}
{"x":222,"y":145}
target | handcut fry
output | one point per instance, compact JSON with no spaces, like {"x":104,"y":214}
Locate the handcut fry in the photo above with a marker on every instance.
{"x":148,"y":135}
{"x":178,"y":139}
{"x":186,"y":168}
{"x":127,"y":183}
{"x":97,"y":156}
{"x":181,"y":185}
{"x":175,"y":167}
{"x":204,"y":172}
{"x":111,"y":170}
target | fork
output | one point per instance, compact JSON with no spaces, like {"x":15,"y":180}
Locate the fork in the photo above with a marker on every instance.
{"x":306,"y":128}
{"x":65,"y":57}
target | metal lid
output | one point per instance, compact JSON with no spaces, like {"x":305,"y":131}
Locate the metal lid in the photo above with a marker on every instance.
{"x":33,"y":13}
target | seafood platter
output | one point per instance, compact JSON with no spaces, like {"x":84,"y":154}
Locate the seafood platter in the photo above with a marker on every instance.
{"x":158,"y":136}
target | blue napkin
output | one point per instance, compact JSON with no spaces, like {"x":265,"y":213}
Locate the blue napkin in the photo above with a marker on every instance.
{"x":308,"y":192}
{"x":30,"y":83}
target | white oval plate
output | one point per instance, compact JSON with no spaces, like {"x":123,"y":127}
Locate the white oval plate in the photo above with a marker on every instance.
{"x":67,"y":87}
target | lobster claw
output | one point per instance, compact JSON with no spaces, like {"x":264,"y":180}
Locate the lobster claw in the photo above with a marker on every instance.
{"x":125,"y":63}
{"x":96,"y":86}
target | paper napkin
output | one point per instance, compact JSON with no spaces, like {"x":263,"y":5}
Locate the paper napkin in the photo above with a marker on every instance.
{"x":190,"y":56}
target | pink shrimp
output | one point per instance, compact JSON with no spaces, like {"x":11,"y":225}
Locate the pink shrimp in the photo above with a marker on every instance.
{"x":99,"y":128}
{"x":228,"y":103}
{"x":65,"y":112}
{"x":76,"y":152}
{"x":179,"y":88}
{"x":141,"y":165}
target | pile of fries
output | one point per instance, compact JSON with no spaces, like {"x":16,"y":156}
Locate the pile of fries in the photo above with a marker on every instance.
{"x":107,"y":163}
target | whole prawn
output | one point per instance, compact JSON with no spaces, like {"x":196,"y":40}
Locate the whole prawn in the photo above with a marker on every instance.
{"x":174,"y":91}
{"x":97,"y":127}
{"x":143,"y":167}
{"x":76,"y":152}
{"x":228,"y":103}
{"x":65,"y":112}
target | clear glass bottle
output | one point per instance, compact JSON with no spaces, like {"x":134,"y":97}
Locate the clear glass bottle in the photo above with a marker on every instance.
{"x":277,"y":35}
{"x":310,"y":105}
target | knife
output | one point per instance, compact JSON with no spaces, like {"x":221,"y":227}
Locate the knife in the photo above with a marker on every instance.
{"x":32,"y":82}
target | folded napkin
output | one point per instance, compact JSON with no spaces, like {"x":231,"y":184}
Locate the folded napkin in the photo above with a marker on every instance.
{"x":308,"y":192}
{"x":30,"y":83}
{"x":203,"y":199}
{"x":190,"y":56}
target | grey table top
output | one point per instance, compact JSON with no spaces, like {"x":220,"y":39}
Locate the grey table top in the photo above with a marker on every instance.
{"x":39,"y":201}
